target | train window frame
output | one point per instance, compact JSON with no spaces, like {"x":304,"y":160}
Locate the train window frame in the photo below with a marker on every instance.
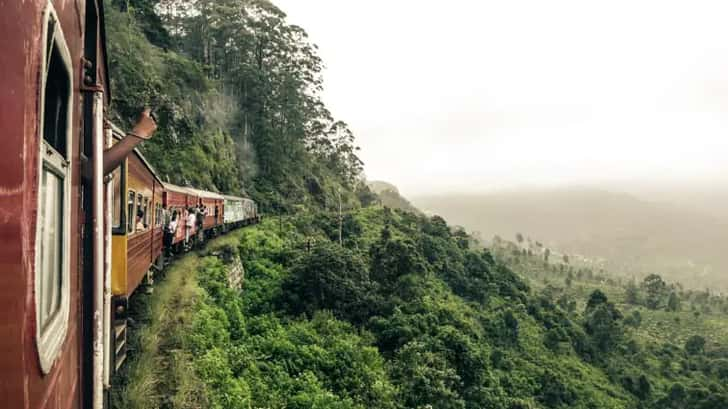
{"x":139,"y":203}
{"x":53,"y":160}
{"x":158,"y":212}
{"x":120,"y":229}
{"x":145,"y":207}
{"x":131,"y":211}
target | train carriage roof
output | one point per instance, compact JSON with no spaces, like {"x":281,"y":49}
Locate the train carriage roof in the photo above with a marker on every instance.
{"x":205,"y":194}
{"x":179,"y":189}
{"x":235,"y":198}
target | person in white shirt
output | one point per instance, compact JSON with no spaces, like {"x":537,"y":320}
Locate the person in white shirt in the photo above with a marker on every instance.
{"x":190,"y":223}
{"x":140,"y":226}
{"x":170,"y":230}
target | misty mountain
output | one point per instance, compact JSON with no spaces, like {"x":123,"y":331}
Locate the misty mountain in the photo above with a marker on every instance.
{"x":389,"y":196}
{"x":709,"y":197}
{"x":634,"y":235}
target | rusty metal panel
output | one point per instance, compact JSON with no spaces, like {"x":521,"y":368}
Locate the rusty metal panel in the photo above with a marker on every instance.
{"x":24,"y":385}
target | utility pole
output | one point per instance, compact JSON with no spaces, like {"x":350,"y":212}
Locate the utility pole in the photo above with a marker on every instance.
{"x":341,"y":241}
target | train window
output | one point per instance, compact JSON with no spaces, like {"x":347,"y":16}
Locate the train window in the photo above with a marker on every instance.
{"x":131,"y":218}
{"x":145,"y":217}
{"x":56,"y":93}
{"x":52,"y":263}
{"x":139,"y":215}
{"x":117,"y":199}
{"x":158,"y":215}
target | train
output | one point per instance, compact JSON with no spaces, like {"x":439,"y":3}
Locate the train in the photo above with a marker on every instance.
{"x":81,"y":211}
{"x":138,"y":203}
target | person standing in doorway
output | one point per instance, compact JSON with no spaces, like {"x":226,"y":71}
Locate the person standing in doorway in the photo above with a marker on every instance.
{"x":190,"y":224}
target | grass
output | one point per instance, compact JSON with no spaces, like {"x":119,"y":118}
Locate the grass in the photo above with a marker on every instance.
{"x":159,"y":371}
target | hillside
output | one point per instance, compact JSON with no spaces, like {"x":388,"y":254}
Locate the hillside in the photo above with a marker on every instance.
{"x":406,"y":315}
{"x":389,"y":196}
{"x":237,"y":112}
{"x":402,"y":311}
{"x":635,"y":236}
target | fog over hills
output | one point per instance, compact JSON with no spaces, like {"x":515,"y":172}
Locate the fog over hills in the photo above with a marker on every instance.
{"x":681,"y":234}
{"x":706,"y":197}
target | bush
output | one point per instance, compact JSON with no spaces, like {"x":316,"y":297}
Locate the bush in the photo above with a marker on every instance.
{"x":333,"y":278}
{"x":695,"y":345}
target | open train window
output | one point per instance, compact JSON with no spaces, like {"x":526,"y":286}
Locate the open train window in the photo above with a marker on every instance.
{"x":52,"y":263}
{"x":158,"y":215}
{"x":131,"y":216}
{"x":145,"y":216}
{"x":139,"y":215}
{"x":117,"y":200}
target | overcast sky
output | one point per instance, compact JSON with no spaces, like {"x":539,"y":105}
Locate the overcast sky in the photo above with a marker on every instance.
{"x":469,"y":95}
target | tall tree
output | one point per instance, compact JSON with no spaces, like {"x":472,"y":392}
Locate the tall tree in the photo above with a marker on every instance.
{"x":655,"y":288}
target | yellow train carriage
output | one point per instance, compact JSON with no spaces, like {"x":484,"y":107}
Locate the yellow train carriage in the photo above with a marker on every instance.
{"x":137,"y":236}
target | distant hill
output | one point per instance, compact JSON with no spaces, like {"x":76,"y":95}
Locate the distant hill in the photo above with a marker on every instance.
{"x":635,"y":236}
{"x":390,"y":196}
{"x":378,"y":186}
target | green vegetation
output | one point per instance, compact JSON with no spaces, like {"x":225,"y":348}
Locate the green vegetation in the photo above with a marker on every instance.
{"x":378,"y":308}
{"x":406,"y":315}
{"x":675,"y":337}
{"x":236,"y":90}
{"x":161,"y":372}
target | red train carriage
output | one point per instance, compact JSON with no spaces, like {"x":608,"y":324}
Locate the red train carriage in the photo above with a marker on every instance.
{"x":53,"y":89}
{"x":214,"y":204}
{"x":180,"y":199}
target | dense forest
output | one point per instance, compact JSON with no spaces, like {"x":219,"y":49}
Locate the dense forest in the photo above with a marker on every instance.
{"x":236,"y":91}
{"x":410,"y":313}
{"x":378,"y":308}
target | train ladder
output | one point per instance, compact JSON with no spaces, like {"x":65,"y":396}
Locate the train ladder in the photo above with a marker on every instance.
{"x":119,"y":343}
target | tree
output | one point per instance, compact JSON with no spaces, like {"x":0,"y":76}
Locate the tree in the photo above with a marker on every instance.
{"x":148,"y":19}
{"x":426,"y":379}
{"x":511,"y":326}
{"x":673,"y":302}
{"x":555,"y":338}
{"x":695,"y":345}
{"x":332,"y":278}
{"x":596,"y":299}
{"x":603,"y":322}
{"x":634,"y":319}
{"x":720,"y":368}
{"x":644,"y":388}
{"x":553,"y":393}
{"x":519,"y":238}
{"x":655,"y":288}
{"x":632,"y":294}
{"x":566,"y":304}
{"x":546,"y":255}
{"x":392,"y":258}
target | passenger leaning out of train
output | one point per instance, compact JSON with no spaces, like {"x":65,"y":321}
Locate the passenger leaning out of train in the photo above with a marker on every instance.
{"x":190,"y":223}
{"x":140,"y":221}
{"x":200,"y":216}
{"x":170,"y":230}
{"x":143,"y":130}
